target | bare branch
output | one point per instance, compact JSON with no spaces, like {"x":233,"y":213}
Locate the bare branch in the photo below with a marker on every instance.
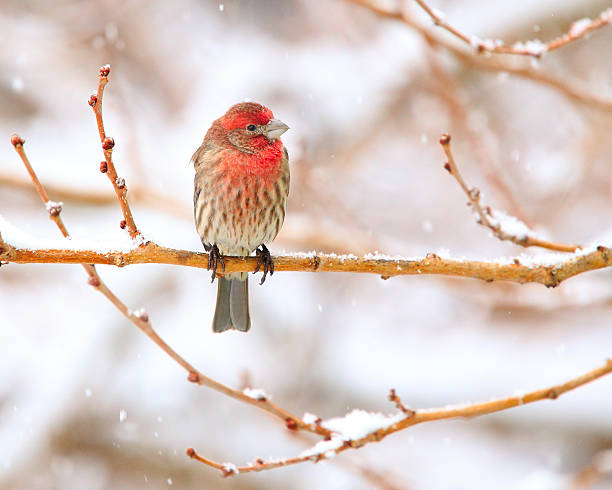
{"x":339,"y":441}
{"x":107,"y":166}
{"x":536,"y":48}
{"x":53,"y":208}
{"x":449,"y":94}
{"x":493,"y":219}
{"x":394,"y":397}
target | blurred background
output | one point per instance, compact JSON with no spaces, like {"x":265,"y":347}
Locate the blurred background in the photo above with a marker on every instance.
{"x":87,"y":401}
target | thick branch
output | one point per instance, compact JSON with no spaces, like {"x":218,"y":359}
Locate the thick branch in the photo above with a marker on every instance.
{"x":512,"y":270}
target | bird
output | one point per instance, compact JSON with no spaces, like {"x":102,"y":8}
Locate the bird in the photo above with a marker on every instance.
{"x":241,"y":186}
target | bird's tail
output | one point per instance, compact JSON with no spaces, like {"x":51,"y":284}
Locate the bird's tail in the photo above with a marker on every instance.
{"x":232,"y":309}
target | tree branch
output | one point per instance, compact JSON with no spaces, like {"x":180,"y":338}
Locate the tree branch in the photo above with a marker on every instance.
{"x":503,"y":226}
{"x":536,"y":48}
{"x":572,"y":88}
{"x":522,"y":269}
{"x":107,"y":166}
{"x":341,"y":437}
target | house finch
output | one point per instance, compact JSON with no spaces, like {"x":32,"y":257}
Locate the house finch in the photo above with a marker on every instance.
{"x":240,"y":190}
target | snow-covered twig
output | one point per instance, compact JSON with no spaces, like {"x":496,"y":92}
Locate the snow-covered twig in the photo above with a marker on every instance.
{"x":536,"y":48}
{"x":503,"y":226}
{"x":107,"y":166}
{"x":358,"y":428}
{"x":570,"y":87}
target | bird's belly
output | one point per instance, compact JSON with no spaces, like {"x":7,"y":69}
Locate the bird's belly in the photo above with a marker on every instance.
{"x":248,"y":219}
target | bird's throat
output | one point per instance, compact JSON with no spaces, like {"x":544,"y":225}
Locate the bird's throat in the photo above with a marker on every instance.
{"x":264,"y":164}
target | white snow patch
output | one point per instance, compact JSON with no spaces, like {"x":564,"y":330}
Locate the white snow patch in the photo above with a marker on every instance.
{"x":510,"y":225}
{"x":359,"y":423}
{"x":323,"y":447}
{"x":54,"y":205}
{"x":230,"y":468}
{"x":578,"y":27}
{"x":23,"y":240}
{"x":256,"y":394}
{"x":534,"y":47}
{"x":140,"y":313}
{"x":310,"y":418}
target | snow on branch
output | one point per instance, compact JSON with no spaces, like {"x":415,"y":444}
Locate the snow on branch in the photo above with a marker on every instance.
{"x":570,"y":87}
{"x":358,"y":428}
{"x":549,"y":269}
{"x":503,"y":226}
{"x":535,"y":47}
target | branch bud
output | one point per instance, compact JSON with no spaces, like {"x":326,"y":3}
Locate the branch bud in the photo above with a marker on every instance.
{"x":445,"y":139}
{"x":447,"y":167}
{"x":17,"y":140}
{"x":93,"y":281}
{"x":93,"y":100}
{"x":193,"y":378}
{"x":104,"y":70}
{"x":54,"y":208}
{"x":122,"y":224}
{"x":291,"y":424}
{"x":108,"y":143}
{"x":103,"y":167}
{"x":190,"y":452}
{"x":120,"y":182}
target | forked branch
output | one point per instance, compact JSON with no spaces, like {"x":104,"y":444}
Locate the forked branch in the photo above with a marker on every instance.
{"x":503,"y":226}
{"x":536,"y":48}
{"x":342,"y":439}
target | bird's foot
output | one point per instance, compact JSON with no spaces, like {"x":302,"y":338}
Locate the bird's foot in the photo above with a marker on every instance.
{"x":265,"y":260}
{"x":214,"y":258}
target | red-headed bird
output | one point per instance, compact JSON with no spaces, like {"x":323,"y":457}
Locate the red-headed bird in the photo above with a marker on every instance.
{"x":240,"y":191}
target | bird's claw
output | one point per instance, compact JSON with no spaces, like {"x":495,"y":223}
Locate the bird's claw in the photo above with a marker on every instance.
{"x":214,"y":258}
{"x":265,"y":260}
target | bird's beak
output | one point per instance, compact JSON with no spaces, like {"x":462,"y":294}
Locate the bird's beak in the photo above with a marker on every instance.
{"x":275,"y":128}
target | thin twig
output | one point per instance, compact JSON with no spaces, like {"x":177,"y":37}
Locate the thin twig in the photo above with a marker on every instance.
{"x":570,"y":87}
{"x":449,"y":94}
{"x":485,"y":217}
{"x":54,"y":208}
{"x":577,"y":30}
{"x":107,"y":166}
{"x":394,"y":397}
{"x":142,"y":321}
{"x":342,"y":443}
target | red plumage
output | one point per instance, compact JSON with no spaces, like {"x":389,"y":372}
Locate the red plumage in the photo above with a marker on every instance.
{"x":240,"y":192}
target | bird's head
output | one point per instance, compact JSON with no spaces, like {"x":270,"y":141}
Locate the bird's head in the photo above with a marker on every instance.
{"x":251,"y":127}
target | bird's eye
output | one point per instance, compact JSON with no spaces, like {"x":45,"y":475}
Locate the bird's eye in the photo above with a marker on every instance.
{"x":251,"y":127}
